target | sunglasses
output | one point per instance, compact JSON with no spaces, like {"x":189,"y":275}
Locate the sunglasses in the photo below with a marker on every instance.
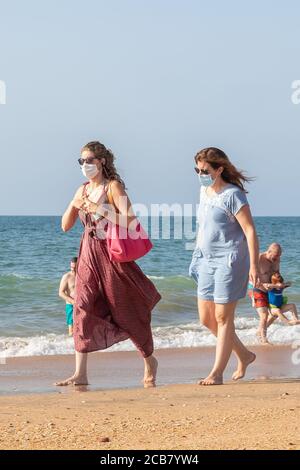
{"x":202,"y":172}
{"x":89,"y":160}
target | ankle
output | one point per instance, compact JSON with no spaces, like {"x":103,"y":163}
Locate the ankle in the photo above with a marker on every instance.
{"x":216,"y":373}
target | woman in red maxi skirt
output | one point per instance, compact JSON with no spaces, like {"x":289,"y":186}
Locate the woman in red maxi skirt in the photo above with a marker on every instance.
{"x":113,"y":301}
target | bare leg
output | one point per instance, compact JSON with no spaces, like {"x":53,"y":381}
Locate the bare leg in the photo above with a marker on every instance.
{"x":80,"y":376}
{"x":278,"y":313}
{"x":225,"y":319}
{"x":263,"y":313}
{"x":70,"y":330}
{"x":151,"y":365}
{"x":244,"y":356}
{"x":271,"y":320}
{"x":293,"y":309}
{"x":294,"y":322}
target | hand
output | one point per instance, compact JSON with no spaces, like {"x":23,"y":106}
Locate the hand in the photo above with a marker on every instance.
{"x":78,"y":203}
{"x":89,"y":206}
{"x":254,"y":276}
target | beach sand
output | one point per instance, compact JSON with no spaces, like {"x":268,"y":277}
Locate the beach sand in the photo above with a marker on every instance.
{"x":260,"y":413}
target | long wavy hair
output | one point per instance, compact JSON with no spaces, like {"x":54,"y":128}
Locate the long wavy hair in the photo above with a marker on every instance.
{"x":217,"y":158}
{"x":100,"y":151}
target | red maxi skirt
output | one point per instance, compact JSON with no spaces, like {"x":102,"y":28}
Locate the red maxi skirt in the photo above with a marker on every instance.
{"x":113,"y":301}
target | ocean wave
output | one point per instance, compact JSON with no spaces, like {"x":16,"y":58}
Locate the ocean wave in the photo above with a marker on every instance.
{"x":179,"y":336}
{"x":173,"y":277}
{"x":156,"y":277}
{"x":17,"y":276}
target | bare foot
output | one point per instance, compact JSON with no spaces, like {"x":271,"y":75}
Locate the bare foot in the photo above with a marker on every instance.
{"x":242,"y":366}
{"x":149,"y":380}
{"x":74,"y":380}
{"x":265,"y":342}
{"x":212,"y":380}
{"x":262,"y":337}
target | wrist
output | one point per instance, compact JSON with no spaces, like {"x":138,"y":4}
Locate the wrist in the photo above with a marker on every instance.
{"x":101,"y":210}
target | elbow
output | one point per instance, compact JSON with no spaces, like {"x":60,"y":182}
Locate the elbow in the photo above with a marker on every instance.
{"x":64,"y":225}
{"x":68,"y":220}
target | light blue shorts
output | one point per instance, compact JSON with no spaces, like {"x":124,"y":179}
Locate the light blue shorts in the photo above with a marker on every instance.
{"x":222,"y":278}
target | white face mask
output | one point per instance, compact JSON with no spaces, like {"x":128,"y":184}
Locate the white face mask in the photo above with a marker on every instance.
{"x":89,"y":170}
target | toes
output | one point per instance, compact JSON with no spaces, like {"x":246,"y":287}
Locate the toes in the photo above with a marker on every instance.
{"x":64,"y":383}
{"x":207,"y":382}
{"x":237,"y":377}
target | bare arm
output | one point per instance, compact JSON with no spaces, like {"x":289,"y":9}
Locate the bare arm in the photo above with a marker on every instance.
{"x":71,"y":214}
{"x":63,"y":289}
{"x":244,"y":218}
{"x":269,"y":286}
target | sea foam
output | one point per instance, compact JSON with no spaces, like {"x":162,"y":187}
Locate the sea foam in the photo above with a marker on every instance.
{"x":175,"y":336}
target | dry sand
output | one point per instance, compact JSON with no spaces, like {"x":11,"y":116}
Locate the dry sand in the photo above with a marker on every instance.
{"x":232,"y":416}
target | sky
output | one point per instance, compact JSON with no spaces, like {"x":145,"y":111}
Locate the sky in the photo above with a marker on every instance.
{"x":155,"y":81}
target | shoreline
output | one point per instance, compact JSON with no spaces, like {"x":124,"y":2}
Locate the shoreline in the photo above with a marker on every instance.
{"x":124,"y":370}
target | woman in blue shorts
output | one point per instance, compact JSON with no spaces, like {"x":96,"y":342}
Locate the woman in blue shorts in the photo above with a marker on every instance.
{"x":225,"y":257}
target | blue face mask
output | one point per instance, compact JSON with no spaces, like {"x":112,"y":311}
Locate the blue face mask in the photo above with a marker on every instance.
{"x":206,"y":180}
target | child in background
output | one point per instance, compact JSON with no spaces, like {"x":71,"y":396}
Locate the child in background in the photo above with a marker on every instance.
{"x":278,"y":303}
{"x":66,"y":292}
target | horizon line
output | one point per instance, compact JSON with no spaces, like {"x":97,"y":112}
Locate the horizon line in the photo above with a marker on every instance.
{"x":154,"y":216}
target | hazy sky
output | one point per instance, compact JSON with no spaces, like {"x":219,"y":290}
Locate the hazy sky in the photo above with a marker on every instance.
{"x":155,"y":81}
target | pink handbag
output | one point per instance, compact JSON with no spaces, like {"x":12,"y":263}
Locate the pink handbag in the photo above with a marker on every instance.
{"x":124,"y":245}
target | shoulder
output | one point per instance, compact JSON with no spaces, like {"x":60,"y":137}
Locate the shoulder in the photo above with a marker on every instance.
{"x":276,"y":266}
{"x":79,"y":190}
{"x":116,"y":187}
{"x":236,"y":199}
{"x":234,"y":190}
{"x":65,"y":277}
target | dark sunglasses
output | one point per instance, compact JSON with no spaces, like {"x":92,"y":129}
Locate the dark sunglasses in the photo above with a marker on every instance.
{"x":89,"y":160}
{"x":202,"y":172}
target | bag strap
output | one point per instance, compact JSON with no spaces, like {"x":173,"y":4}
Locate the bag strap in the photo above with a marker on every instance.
{"x":84,"y":189}
{"x":109,"y":196}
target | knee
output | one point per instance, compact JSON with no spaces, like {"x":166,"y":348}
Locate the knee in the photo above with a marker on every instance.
{"x":263,"y":314}
{"x":206,"y":321}
{"x":206,"y":316}
{"x":222,"y":318}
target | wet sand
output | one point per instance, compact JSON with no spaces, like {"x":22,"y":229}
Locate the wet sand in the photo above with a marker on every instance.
{"x":110,"y":370}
